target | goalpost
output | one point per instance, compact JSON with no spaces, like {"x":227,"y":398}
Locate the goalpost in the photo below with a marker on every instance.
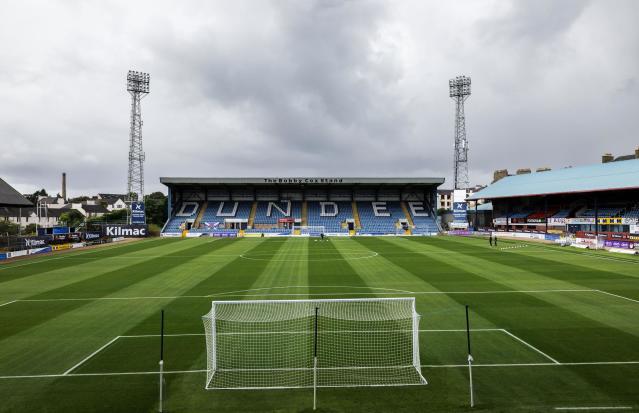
{"x":281,"y":344}
{"x":312,"y":231}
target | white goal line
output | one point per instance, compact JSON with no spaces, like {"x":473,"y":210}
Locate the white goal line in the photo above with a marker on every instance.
{"x":487,"y":365}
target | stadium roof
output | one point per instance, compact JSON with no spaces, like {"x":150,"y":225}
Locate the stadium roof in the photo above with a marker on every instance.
{"x":11,"y":197}
{"x":301,"y":181}
{"x":590,"y":178}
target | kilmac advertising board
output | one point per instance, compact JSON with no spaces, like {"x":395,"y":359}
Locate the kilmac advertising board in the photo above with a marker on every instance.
{"x":138,"y":214}
{"x":126,"y":231}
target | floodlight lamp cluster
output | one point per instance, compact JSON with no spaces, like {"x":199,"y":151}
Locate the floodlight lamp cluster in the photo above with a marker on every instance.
{"x":459,"y":86}
{"x":137,"y":82}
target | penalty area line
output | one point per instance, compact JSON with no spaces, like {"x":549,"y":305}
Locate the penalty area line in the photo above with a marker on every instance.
{"x":530,"y":346}
{"x":618,"y":296}
{"x":84,"y":360}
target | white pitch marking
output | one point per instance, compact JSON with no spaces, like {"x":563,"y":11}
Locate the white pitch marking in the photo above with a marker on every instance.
{"x":90,"y":355}
{"x":505,"y":291}
{"x":336,"y":294}
{"x":595,"y":408}
{"x":530,"y":345}
{"x":337,"y":257}
{"x":123,"y":373}
{"x":618,"y":296}
{"x":111,"y":298}
{"x":10,"y":302}
{"x":423,"y":365}
{"x":67,"y":256}
{"x":313,"y":286}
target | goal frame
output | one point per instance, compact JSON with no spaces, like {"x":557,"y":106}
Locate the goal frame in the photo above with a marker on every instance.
{"x":212,"y":349}
{"x":321,"y":229}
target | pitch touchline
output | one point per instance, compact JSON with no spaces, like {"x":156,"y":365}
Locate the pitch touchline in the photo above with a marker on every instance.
{"x":93,"y":251}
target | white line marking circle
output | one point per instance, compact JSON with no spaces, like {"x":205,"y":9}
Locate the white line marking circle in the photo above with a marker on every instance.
{"x":345,"y":255}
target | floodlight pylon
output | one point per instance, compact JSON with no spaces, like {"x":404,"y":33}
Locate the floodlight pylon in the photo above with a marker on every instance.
{"x":459,"y":89}
{"x":137,"y":84}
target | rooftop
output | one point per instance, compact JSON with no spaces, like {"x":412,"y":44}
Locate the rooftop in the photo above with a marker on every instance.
{"x":10,"y":197}
{"x":319,"y":181}
{"x":609,"y":176}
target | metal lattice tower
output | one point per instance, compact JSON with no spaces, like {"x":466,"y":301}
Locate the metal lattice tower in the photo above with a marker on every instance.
{"x":459,"y":92}
{"x":137,"y":84}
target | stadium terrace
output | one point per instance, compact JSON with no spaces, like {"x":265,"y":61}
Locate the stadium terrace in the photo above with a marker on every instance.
{"x":285,"y":206}
{"x":594,"y":205}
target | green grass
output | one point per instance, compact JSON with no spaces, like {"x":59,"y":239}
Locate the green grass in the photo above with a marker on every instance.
{"x":552,"y":327}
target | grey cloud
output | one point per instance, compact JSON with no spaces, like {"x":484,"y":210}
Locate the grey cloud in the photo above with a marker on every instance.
{"x":312,"y":88}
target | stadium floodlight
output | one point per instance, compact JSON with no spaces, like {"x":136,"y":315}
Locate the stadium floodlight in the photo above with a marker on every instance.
{"x":281,"y":344}
{"x":459,"y":86}
{"x":459,"y":90}
{"x":137,"y":84}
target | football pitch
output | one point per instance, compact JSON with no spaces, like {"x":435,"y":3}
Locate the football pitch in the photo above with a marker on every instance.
{"x":552,"y":328}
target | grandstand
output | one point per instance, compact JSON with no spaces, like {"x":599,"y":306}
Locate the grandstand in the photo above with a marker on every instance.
{"x":586,"y":202}
{"x":283,"y":206}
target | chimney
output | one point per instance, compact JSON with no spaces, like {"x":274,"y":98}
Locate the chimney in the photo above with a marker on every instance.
{"x":543,"y":169}
{"x":64,"y":186}
{"x":523,"y":171}
{"x":607,"y":157}
{"x":499,"y":174}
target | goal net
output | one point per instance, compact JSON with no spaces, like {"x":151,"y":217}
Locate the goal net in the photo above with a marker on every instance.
{"x":313,"y":231}
{"x":268,"y":344}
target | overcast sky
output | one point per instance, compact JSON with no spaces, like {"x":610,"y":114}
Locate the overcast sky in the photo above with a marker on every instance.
{"x":312,"y":88}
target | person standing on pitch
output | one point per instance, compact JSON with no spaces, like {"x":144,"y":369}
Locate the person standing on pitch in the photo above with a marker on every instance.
{"x":490,"y":239}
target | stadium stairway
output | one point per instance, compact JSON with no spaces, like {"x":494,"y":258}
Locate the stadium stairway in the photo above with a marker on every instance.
{"x":411,"y":225}
{"x":358,"y":223}
{"x":304,"y":213}
{"x":408,"y":217}
{"x":198,"y":218}
{"x":251,"y":219}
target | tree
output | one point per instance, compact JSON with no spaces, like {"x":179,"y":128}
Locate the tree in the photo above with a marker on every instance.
{"x":79,"y":199}
{"x":155,"y":206}
{"x":8,"y":227}
{"x":29,"y":230}
{"x":72,"y":218}
{"x":34,"y":197}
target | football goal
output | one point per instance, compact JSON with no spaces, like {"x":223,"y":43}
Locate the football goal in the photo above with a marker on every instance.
{"x":312,"y":231}
{"x":276,"y":344}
